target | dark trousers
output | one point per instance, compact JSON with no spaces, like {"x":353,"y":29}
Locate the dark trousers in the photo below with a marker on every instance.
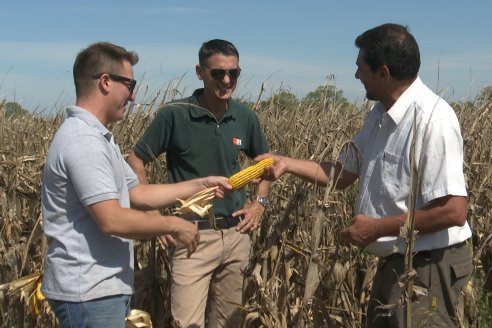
{"x":440,"y":273}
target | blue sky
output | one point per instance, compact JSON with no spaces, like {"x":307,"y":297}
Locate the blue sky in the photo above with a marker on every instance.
{"x":294,"y":45}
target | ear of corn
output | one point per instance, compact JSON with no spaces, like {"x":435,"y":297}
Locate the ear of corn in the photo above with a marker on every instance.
{"x":243,"y":177}
{"x":36,"y":299}
{"x":138,"y":319}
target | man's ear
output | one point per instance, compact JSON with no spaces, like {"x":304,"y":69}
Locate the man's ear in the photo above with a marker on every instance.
{"x":103,"y":84}
{"x":384,"y":72}
{"x":199,"y":72}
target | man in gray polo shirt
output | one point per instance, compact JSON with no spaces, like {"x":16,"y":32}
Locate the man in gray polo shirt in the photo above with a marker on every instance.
{"x":87,"y":190}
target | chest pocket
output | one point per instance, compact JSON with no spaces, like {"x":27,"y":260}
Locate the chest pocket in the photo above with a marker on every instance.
{"x":395,"y":181}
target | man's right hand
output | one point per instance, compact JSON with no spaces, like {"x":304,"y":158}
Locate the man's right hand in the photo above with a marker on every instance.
{"x":279,"y":167}
{"x":167,"y":241}
{"x":188,"y":235}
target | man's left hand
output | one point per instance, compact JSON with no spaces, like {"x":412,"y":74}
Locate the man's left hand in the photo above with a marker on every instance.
{"x":251,"y":213}
{"x":362,"y":232}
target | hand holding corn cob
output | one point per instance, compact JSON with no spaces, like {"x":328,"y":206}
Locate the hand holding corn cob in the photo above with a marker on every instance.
{"x":200,"y":203}
{"x":243,"y":177}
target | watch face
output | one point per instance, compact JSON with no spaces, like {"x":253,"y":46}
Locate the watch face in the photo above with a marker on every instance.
{"x":263,"y":201}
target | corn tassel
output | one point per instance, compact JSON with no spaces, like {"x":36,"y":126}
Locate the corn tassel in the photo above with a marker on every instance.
{"x":243,"y":177}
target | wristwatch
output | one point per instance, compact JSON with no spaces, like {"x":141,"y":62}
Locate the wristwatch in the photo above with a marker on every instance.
{"x":263,"y":201}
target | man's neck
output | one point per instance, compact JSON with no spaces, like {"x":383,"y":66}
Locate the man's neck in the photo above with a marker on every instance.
{"x":395,"y":93}
{"x":215,"y":106}
{"x":92,"y":108}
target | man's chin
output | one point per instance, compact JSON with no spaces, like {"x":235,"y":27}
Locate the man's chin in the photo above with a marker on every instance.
{"x":224,"y":95}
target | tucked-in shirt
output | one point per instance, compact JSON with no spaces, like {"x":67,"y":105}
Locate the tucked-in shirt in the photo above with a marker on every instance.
{"x":197,"y":144}
{"x":384,"y":164}
{"x":84,"y":166}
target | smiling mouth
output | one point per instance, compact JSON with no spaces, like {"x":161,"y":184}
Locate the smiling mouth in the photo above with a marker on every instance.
{"x":225,"y":87}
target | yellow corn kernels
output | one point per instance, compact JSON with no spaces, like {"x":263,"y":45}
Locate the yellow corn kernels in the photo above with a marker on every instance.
{"x":36,"y":299}
{"x":243,"y":177}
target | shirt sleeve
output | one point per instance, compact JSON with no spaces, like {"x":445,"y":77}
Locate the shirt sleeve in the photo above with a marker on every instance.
{"x":257,"y":142}
{"x":131,"y":177}
{"x":441,"y":165}
{"x":90,"y":171}
{"x":156,"y":137}
{"x":352,"y":154}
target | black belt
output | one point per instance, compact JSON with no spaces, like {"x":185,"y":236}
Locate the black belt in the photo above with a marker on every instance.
{"x":225,"y":222}
{"x":428,"y":253}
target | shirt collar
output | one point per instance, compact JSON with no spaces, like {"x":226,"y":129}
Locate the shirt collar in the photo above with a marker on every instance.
{"x":89,"y":119}
{"x":197,"y":111}
{"x":400,"y":107}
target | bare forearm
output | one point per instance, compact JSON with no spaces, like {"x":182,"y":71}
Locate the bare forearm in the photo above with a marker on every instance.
{"x":306,"y":170}
{"x":129,"y":223}
{"x":263,"y":188}
{"x":156,"y":196}
{"x":138,"y":166}
{"x":442,"y":214}
{"x":323,"y":173}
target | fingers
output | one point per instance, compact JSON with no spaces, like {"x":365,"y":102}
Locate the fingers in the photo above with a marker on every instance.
{"x":222,"y":183}
{"x":247,"y":224}
{"x":269,"y":174}
{"x":346,"y":236}
{"x":257,"y":180}
{"x":221,"y":192}
{"x":262,"y":156}
{"x":188,"y":235}
{"x":193,"y":246}
{"x":171,"y":241}
{"x":217,"y":181}
{"x":162,"y":240}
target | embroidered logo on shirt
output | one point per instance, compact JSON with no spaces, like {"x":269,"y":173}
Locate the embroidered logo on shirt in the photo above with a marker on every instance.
{"x":237,"y":141}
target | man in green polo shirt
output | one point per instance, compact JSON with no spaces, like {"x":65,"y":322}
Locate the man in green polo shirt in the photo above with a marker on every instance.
{"x":204,"y":135}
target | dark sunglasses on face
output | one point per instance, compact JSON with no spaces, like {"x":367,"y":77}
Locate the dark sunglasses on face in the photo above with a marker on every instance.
{"x":218,"y":74}
{"x":130,"y":84}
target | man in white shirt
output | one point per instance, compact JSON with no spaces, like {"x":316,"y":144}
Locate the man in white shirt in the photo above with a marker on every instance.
{"x":387,"y":65}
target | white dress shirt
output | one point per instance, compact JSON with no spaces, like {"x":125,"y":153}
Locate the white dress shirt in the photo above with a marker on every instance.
{"x":384,"y":164}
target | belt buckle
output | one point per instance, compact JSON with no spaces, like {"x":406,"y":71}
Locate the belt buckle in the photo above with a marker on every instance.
{"x":212,"y":220}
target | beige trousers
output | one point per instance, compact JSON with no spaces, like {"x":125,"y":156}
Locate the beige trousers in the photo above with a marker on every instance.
{"x":210,"y":281}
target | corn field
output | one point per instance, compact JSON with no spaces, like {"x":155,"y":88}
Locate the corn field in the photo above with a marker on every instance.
{"x":301,"y":272}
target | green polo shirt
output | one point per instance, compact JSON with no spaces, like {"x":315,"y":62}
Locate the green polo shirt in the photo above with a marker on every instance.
{"x":197,"y":145}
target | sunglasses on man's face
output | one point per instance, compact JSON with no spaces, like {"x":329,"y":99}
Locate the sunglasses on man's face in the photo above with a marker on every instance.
{"x":130,"y":83}
{"x":218,"y":74}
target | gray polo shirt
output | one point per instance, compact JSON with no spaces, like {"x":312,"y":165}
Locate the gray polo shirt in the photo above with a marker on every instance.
{"x":84,"y":166}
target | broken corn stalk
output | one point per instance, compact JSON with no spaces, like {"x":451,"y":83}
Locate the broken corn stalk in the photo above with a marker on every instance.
{"x":243,"y":177}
